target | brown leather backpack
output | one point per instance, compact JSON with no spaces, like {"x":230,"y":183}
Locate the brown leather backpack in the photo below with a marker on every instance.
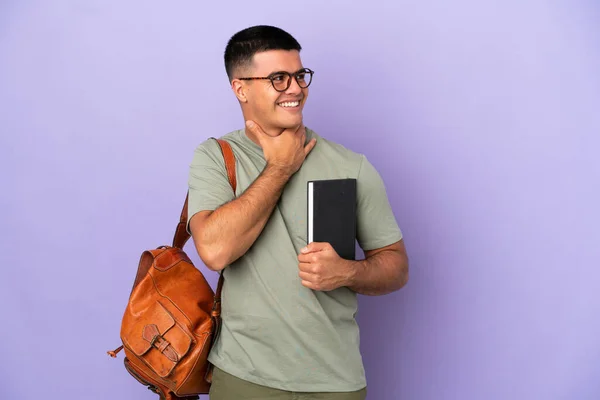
{"x":173,"y":316}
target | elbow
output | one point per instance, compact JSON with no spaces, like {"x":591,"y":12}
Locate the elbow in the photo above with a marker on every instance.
{"x":212,"y":252}
{"x":403,"y":278}
{"x":215,"y":259}
{"x":404,"y":273}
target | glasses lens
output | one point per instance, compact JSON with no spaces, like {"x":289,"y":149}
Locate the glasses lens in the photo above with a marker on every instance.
{"x":280,"y":81}
{"x":304,"y":77}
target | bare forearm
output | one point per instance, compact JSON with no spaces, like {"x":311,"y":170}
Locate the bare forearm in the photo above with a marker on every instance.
{"x":379,"y":274}
{"x":232,"y":228}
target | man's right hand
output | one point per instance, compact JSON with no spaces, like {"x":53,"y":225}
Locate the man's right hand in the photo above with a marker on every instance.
{"x":225,"y":234}
{"x":287,"y":151}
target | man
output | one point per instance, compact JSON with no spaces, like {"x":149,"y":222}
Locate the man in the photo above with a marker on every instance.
{"x":288,"y":311}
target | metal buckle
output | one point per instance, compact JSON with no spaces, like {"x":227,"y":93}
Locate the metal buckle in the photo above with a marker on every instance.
{"x":155,"y":339}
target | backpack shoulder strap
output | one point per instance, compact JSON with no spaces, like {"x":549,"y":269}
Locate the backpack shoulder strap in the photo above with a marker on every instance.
{"x":181,"y":235}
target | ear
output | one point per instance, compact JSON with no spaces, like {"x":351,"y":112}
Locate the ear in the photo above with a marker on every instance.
{"x":239,"y":89}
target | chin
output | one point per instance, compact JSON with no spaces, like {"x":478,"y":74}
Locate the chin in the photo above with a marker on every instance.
{"x":288,"y":123}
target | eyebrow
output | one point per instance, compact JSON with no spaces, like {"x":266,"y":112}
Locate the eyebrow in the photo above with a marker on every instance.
{"x":292,"y":73}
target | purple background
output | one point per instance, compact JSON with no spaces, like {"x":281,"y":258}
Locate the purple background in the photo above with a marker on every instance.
{"x":482,"y":117}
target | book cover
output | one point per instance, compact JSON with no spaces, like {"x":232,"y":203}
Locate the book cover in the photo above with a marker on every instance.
{"x":332,"y":214}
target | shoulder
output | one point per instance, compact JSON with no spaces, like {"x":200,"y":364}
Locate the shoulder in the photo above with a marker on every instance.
{"x":209,"y":150}
{"x":351,"y":162}
{"x":336,"y":151}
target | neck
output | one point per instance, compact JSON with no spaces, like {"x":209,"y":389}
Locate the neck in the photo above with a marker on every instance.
{"x":271,"y":133}
{"x":269,"y":130}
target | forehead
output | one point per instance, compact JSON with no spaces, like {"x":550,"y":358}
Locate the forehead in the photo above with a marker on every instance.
{"x":276,"y":60}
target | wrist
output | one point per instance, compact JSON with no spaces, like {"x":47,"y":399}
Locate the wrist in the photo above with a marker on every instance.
{"x":353,"y":269}
{"x":279,"y":171}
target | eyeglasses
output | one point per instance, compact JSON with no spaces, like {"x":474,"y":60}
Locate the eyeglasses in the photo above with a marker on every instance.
{"x":282,"y":80}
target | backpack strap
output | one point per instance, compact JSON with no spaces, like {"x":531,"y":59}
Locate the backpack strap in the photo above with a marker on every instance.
{"x":181,"y":234}
{"x":230,"y":167}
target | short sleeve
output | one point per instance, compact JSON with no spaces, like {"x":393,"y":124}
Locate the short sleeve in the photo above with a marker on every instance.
{"x":208,"y":184}
{"x":376,"y":224}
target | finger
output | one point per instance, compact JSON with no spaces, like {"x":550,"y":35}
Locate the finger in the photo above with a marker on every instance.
{"x":312,"y":257}
{"x":255,"y":129}
{"x":297,"y":132}
{"x":305,"y":276}
{"x":309,"y":285}
{"x":311,"y":145}
{"x":313,"y":247}
{"x":305,"y":267}
{"x":304,"y":258}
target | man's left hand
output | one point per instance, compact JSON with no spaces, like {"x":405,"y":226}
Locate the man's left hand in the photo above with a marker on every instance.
{"x":321,"y":268}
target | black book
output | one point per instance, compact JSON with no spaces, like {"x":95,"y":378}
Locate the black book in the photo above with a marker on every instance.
{"x":332,"y":214}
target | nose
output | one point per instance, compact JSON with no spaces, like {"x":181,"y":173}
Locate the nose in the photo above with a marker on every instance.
{"x":294,"y":87}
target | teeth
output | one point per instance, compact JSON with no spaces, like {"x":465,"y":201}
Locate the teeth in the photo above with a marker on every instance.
{"x":290,"y":104}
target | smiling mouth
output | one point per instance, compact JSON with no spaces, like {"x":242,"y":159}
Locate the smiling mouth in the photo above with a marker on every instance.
{"x":289,"y":104}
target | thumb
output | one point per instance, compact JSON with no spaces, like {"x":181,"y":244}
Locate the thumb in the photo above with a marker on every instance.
{"x":255,"y":129}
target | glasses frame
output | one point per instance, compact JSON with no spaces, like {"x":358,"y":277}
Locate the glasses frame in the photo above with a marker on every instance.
{"x":289,"y":81}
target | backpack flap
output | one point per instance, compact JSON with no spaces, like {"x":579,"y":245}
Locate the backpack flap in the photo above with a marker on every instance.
{"x":158,"y":340}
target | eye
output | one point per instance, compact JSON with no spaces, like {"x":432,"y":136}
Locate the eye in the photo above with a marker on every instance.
{"x":300,"y":76}
{"x":278,"y":78}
